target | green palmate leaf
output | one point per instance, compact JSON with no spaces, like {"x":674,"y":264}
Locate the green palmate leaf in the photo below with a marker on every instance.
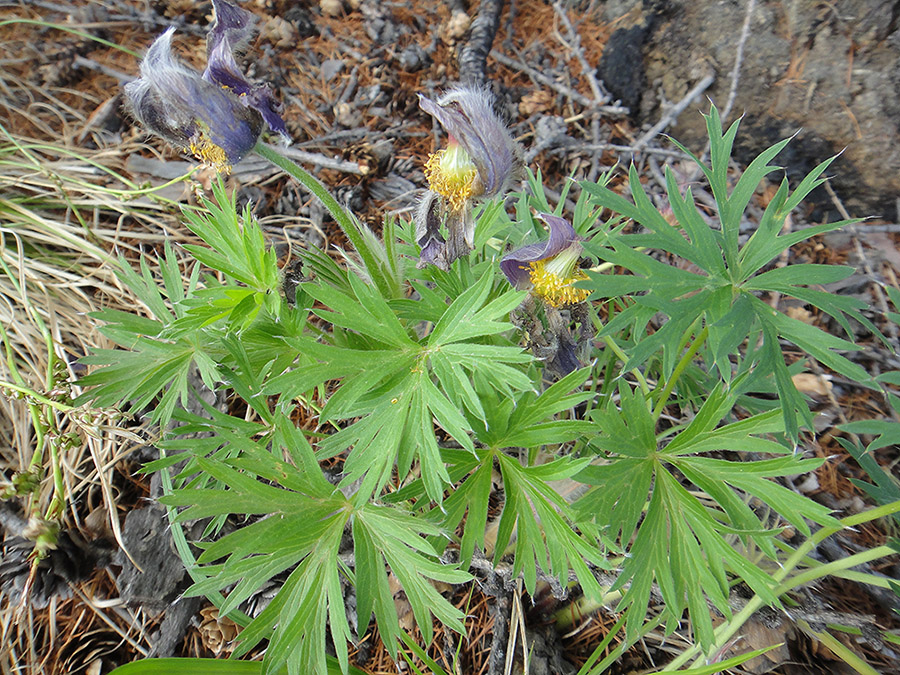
{"x":728,"y":331}
{"x":783,"y":278}
{"x":815,"y":342}
{"x":664,"y":235}
{"x":318,"y":264}
{"x":471,"y":496}
{"x":332,"y":363}
{"x":492,"y":222}
{"x":295,"y":621}
{"x":626,"y":429}
{"x":125,"y":328}
{"x":718,"y":404}
{"x":425,"y":400}
{"x":672,"y":336}
{"x":247,"y":495}
{"x":303,"y":530}
{"x":764,"y":251}
{"x":266,"y":341}
{"x":491,"y":362}
{"x":400,"y":429}
{"x":747,"y":184}
{"x":375,"y":440}
{"x":884,"y":489}
{"x":547,"y":433}
{"x":429,"y":305}
{"x":236,"y":245}
{"x":791,"y":281}
{"x":154,"y":369}
{"x":236,"y":306}
{"x":389,"y":270}
{"x":665,"y":280}
{"x":161,"y":302}
{"x":705,"y":251}
{"x":532,"y":408}
{"x":679,"y":542}
{"x":793,"y":407}
{"x":887,"y":432}
{"x":750,"y":478}
{"x":457,"y":385}
{"x":382,"y":536}
{"x":679,"y":545}
{"x":469,"y":317}
{"x":364,"y":311}
{"x":607,"y":503}
{"x":543,"y":525}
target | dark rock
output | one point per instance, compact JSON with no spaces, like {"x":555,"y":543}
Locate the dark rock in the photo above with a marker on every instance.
{"x":413,"y":58}
{"x":379,"y":23}
{"x":147,"y":538}
{"x":72,"y":560}
{"x":174,"y":626}
{"x":622,"y":65}
{"x":331,"y":67}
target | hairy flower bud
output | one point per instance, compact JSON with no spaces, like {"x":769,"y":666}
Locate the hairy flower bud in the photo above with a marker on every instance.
{"x":229,"y":37}
{"x":549,"y":269}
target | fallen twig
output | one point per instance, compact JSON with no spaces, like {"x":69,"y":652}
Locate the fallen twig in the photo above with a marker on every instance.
{"x":568,"y":92}
{"x":574,"y":45}
{"x":473,"y":56}
{"x":738,"y":60}
{"x":322,"y":161}
{"x":673,"y":112}
{"x":867,"y":267}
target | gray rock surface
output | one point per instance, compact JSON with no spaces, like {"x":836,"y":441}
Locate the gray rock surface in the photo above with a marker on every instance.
{"x":830,"y":70}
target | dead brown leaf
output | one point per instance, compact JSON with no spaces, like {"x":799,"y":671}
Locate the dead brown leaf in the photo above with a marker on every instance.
{"x":811,"y":384}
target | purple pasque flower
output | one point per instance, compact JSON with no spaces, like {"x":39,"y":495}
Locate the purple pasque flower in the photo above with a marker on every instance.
{"x":549,"y":268}
{"x":481,"y":157}
{"x":480,"y":160}
{"x":203,"y":114}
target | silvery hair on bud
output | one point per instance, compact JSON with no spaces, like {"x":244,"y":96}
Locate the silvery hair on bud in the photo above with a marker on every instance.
{"x":161,"y":72}
{"x":467,"y":113}
{"x":170,"y":98}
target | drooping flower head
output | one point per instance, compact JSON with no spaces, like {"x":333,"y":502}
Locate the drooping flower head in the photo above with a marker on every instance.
{"x":549,"y":268}
{"x":481,"y":157}
{"x":480,"y":160}
{"x":218,"y":116}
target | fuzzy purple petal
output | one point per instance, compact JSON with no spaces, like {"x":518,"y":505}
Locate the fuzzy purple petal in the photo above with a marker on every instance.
{"x":565,"y":360}
{"x":233,"y":25}
{"x":174,"y":102}
{"x":227,"y":38}
{"x":428,"y":229}
{"x":467,"y":114}
{"x":516,"y":264}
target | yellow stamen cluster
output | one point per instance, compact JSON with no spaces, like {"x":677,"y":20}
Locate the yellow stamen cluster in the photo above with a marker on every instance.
{"x":211,"y":154}
{"x":452,"y":175}
{"x":556,"y":290}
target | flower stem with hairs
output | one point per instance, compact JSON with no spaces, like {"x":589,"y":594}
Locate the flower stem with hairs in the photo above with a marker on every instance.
{"x":345,"y":221}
